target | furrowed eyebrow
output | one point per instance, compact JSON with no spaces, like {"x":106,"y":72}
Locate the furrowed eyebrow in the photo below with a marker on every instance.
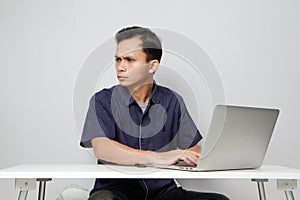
{"x":128,"y":57}
{"x":124,"y":57}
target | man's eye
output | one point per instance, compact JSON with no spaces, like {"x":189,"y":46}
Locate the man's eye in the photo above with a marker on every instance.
{"x":117,"y":59}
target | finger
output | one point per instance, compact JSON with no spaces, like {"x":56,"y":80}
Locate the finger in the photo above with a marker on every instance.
{"x":188,"y":153}
{"x":191,"y":161}
{"x":191,"y":158}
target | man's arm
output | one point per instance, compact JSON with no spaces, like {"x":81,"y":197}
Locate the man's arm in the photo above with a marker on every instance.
{"x":112,"y":151}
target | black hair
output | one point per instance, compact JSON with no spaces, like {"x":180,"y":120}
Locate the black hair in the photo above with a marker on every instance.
{"x":151,"y":43}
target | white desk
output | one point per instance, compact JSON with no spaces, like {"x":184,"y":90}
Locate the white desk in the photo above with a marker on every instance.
{"x":25,"y":174}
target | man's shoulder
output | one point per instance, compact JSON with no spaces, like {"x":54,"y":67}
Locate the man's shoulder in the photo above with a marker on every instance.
{"x":167,"y":92}
{"x":103,"y":96}
{"x":114,"y":93}
{"x":104,"y":91}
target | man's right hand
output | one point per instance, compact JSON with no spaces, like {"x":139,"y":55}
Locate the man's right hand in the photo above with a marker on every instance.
{"x":171,"y":157}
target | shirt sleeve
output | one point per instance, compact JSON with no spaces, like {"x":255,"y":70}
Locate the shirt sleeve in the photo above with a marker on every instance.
{"x":98,"y":122}
{"x":188,"y":134}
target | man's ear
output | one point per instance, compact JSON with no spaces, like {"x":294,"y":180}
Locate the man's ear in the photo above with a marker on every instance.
{"x":153,"y":66}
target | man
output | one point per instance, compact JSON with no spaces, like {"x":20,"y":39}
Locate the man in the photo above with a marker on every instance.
{"x":140,"y":122}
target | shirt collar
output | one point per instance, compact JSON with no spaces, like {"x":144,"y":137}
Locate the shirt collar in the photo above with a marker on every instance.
{"x":128,"y":99}
{"x":154,"y":96}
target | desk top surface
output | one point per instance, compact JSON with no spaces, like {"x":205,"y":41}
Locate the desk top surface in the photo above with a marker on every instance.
{"x":113,"y":171}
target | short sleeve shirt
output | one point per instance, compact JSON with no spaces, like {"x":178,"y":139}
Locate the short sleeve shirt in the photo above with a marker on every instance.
{"x":164,"y":125}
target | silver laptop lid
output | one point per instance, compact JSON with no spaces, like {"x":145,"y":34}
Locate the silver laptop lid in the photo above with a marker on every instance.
{"x":238,"y":137}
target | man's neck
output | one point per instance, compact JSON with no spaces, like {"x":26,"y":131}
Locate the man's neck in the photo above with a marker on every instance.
{"x":142,"y":93}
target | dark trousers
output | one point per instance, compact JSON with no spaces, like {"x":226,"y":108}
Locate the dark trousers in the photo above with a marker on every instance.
{"x":177,"y":194}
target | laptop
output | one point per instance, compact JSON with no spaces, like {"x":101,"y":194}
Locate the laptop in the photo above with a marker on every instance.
{"x":238,"y":138}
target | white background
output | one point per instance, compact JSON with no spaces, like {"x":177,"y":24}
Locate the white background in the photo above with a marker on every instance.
{"x":255,"y":46}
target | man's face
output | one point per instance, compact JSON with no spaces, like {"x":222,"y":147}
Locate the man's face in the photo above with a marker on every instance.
{"x":131,"y":65}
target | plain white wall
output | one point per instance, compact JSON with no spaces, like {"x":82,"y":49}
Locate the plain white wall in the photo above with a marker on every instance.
{"x":254,"y":45}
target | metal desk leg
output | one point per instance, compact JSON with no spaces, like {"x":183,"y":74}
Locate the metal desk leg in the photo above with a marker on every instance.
{"x":287,"y":185}
{"x":261,"y":188}
{"x":42,"y":187}
{"x":23,"y":195}
{"x":289,"y":195}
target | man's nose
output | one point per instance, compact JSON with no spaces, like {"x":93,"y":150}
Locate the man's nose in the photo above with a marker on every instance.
{"x":121,"y":66}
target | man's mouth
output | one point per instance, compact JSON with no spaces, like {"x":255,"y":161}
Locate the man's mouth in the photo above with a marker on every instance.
{"x":122,"y":77}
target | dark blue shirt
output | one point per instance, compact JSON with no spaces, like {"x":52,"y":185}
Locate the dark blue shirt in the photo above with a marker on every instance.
{"x":164,"y":125}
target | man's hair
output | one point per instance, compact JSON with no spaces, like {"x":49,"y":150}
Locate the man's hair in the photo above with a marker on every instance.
{"x":151,"y":43}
